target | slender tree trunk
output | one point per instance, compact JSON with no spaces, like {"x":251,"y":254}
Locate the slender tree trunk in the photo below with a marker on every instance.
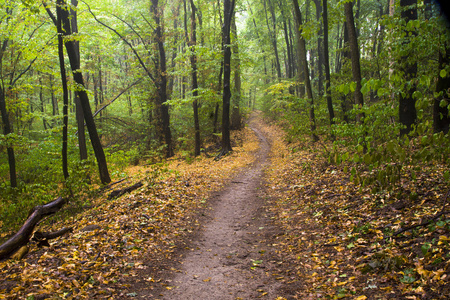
{"x":216,"y":111}
{"x":74,"y":59}
{"x":302,"y":52}
{"x":300,"y":65}
{"x":320,"y":49}
{"x":82,"y":147}
{"x":293,"y":62}
{"x":41,"y":99}
{"x":228,"y":8}
{"x":236,"y":110}
{"x":441,"y":118}
{"x":7,"y":129}
{"x":288,"y":47}
{"x":162,"y":78}
{"x":354,"y":50}
{"x":327,"y":62}
{"x":192,"y":45}
{"x":345,"y":59}
{"x":176,"y":13}
{"x":55,"y":108}
{"x":407,"y":104}
{"x":62,"y":69}
{"x":272,"y":33}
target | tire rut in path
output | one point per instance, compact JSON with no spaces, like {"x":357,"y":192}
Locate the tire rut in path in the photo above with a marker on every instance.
{"x":230,"y":259}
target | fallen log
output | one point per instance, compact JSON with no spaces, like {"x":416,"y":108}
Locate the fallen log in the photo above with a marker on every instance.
{"x":120,"y":192}
{"x":22,"y":237}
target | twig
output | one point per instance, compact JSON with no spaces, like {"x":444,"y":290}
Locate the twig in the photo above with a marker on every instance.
{"x":442,"y":212}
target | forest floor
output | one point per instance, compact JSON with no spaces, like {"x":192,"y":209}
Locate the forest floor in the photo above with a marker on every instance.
{"x":271,"y":220}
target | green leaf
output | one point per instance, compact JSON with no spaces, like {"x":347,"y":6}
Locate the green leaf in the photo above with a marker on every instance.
{"x":446,"y":175}
{"x":443,"y":73}
{"x":345,"y":89}
{"x":365,"y":89}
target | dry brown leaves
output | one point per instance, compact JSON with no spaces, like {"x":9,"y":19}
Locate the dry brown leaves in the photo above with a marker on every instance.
{"x":339,"y":241}
{"x":113,"y":237}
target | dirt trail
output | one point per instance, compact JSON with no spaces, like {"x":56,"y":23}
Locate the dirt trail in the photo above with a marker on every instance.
{"x":229,"y":259}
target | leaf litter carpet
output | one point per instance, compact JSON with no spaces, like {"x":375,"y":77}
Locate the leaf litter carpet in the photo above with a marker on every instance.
{"x":254,"y":225}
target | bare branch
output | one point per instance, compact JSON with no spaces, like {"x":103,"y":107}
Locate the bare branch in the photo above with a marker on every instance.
{"x":141,"y":62}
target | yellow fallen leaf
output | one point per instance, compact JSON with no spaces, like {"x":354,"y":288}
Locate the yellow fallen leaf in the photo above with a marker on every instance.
{"x":207,"y":279}
{"x":361,"y":297}
{"x":75,"y":283}
{"x":338,"y":248}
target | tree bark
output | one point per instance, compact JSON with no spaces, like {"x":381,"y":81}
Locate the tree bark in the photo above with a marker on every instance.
{"x":320,"y":47}
{"x":228,"y":9}
{"x":441,"y":118}
{"x":6,"y":131}
{"x":236,"y":118}
{"x":7,"y":128}
{"x":23,"y":236}
{"x":161,"y":79}
{"x":407,"y":104}
{"x":192,"y":45}
{"x":273,"y":36}
{"x":354,"y":51}
{"x":302,"y":51}
{"x":62,"y":69}
{"x":74,"y":60}
{"x":300,"y":65}
{"x":327,"y":62}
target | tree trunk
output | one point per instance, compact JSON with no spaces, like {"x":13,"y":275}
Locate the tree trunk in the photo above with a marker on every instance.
{"x":441,"y":118}
{"x":216,"y":110}
{"x":236,"y":110}
{"x":74,"y":60}
{"x":407,"y":104}
{"x":300,"y":65}
{"x":288,"y":47}
{"x":327,"y":62}
{"x":42,"y":102}
{"x":302,"y":51}
{"x":6,"y":131}
{"x":162,"y":79}
{"x":320,"y":49}
{"x":55,"y":108}
{"x":273,"y":36}
{"x":7,"y":128}
{"x":78,"y":109}
{"x":62,"y":69}
{"x":228,"y":8}
{"x":192,"y":45}
{"x":354,"y":51}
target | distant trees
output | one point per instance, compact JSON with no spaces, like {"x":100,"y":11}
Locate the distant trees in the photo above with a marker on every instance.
{"x":13,"y":67}
{"x":184,"y":73}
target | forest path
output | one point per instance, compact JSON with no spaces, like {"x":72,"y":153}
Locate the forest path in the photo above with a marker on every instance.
{"x":229,"y":258}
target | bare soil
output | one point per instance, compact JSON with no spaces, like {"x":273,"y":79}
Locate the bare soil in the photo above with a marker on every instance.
{"x":230,"y":255}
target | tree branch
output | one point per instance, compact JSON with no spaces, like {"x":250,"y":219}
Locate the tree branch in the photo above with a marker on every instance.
{"x":141,"y":62}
